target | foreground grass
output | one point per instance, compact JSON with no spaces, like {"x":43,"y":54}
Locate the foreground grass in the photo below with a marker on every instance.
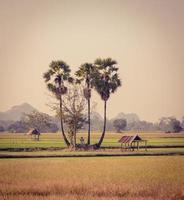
{"x":10,"y":140}
{"x":131,"y":178}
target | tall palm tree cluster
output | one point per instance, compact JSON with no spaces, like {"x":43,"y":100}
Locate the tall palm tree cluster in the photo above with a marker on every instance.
{"x":102,"y":76}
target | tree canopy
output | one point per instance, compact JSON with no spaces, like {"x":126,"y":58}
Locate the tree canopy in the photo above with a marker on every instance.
{"x":120,"y":124}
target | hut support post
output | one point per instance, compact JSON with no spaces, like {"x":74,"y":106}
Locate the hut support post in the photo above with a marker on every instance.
{"x":137,"y":145}
{"x":145,"y":145}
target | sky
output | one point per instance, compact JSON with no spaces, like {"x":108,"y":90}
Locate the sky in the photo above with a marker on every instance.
{"x":145,"y":37}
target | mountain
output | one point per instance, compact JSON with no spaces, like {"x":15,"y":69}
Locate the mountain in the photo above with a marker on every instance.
{"x":130,"y":117}
{"x":96,"y":121}
{"x":16,"y":112}
{"x":96,"y":116}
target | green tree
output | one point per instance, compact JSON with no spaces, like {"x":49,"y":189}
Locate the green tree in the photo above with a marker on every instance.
{"x":1,"y":129}
{"x":182,"y":123}
{"x":40,"y":121}
{"x":106,"y":82}
{"x":74,"y":111}
{"x":170,"y":124}
{"x":119,"y":124}
{"x":55,"y":78}
{"x":86,"y":73}
{"x":18,"y":127}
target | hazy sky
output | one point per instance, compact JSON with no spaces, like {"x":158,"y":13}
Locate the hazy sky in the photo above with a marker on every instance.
{"x":146,"y":37}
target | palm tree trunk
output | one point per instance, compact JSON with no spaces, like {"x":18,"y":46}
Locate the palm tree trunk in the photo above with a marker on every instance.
{"x":75,"y":139}
{"x":61,"y":122}
{"x":75,"y":131}
{"x":104,"y":127}
{"x":89,"y":122}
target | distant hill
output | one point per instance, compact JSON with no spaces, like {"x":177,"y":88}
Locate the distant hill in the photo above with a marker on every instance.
{"x":16,"y":112}
{"x":96,"y":116}
{"x":96,"y":121}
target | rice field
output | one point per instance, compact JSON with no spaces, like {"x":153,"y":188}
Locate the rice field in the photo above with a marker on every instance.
{"x":130,"y":178}
{"x":54,"y":140}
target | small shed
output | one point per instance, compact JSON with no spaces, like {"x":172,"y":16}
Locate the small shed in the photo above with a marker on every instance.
{"x":132,"y":142}
{"x":34,"y":133}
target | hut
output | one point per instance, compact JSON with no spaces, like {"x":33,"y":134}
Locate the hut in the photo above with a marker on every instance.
{"x":132,"y":142}
{"x":34,"y":133}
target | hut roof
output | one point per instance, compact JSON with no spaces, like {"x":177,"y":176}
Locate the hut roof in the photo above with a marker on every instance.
{"x":130,"y":139}
{"x":33,"y":131}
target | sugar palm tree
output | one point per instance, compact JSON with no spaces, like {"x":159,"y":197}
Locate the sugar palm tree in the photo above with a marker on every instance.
{"x":106,"y":82}
{"x":55,"y":77}
{"x":86,"y":73}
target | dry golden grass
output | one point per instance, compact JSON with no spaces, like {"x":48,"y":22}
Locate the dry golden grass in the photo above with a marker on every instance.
{"x":131,"y":178}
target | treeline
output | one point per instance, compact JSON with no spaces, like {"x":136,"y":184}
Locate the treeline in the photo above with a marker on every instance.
{"x":41,"y":121}
{"x":165,"y":124}
{"x":47,"y":124}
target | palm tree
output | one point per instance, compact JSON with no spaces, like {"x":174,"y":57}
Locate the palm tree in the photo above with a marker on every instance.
{"x":86,"y":73}
{"x":55,"y":77}
{"x":106,"y":82}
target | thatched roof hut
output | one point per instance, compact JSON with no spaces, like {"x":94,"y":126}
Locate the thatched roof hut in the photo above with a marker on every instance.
{"x":33,"y":131}
{"x":132,"y":142}
{"x":129,"y":139}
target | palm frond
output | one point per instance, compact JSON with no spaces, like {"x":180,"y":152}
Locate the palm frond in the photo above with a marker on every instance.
{"x":106,"y":80}
{"x":58,"y":73}
{"x":51,"y":87}
{"x":98,"y":61}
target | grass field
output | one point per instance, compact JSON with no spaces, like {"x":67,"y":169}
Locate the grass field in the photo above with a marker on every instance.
{"x":131,"y":178}
{"x":10,"y":140}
